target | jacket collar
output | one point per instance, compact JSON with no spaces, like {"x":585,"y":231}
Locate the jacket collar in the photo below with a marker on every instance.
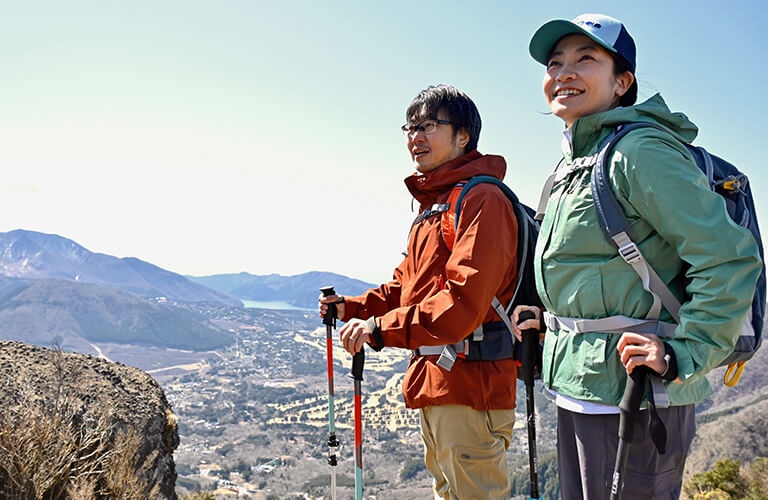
{"x":427,"y":188}
{"x":588,"y":132}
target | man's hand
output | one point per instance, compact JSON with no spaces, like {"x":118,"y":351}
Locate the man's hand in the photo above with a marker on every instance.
{"x":331,"y":299}
{"x":354,"y":335}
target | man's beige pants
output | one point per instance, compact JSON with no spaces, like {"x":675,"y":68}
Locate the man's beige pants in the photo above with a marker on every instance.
{"x":465,"y":451}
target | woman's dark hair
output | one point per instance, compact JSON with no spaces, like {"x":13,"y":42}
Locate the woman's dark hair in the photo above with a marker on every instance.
{"x":455,"y":104}
{"x":621,"y":66}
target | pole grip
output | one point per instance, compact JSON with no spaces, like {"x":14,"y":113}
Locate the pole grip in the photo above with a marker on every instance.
{"x":630,"y":402}
{"x":530,"y":348}
{"x":330,"y":317}
{"x":358,"y":360}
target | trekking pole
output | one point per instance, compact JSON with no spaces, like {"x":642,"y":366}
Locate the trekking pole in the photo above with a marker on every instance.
{"x":329,"y":320}
{"x":629,"y":407}
{"x":358,"y":360}
{"x":530,"y":348}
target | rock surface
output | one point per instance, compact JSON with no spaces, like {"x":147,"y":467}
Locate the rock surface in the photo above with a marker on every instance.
{"x":122,"y":397}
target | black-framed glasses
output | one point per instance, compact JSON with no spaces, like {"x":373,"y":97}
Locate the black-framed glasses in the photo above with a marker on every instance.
{"x":427,"y":126}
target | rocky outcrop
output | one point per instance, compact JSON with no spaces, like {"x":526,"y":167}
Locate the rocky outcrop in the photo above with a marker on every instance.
{"x":98,"y":427}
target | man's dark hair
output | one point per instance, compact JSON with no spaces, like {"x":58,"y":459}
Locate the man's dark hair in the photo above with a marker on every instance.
{"x":621,"y":66}
{"x":457,"y":107}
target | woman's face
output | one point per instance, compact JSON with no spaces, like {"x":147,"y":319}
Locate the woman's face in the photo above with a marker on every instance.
{"x":580,"y":79}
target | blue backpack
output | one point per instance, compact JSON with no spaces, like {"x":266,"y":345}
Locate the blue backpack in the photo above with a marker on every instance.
{"x":525,"y":288}
{"x":491,"y":341}
{"x":725,"y":180}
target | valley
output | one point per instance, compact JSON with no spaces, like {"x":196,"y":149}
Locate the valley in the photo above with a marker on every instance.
{"x":253,"y":417}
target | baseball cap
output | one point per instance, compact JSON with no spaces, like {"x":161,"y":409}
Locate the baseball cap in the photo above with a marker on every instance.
{"x":605,"y":30}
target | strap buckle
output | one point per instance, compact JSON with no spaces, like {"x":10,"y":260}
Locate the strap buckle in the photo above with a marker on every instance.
{"x":732,"y":184}
{"x":447,"y":358}
{"x":630,"y":253}
{"x":435,"y":209}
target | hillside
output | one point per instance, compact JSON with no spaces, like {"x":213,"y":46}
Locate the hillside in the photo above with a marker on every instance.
{"x":76,"y":314}
{"x":733,"y":423}
{"x":300,"y":290}
{"x":33,"y":255}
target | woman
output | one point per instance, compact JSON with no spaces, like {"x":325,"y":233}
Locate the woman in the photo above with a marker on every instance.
{"x":590,"y":84}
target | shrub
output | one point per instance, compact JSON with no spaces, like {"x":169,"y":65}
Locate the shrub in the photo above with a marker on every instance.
{"x":48,"y":449}
{"x":729,"y":480}
{"x":411,"y":468}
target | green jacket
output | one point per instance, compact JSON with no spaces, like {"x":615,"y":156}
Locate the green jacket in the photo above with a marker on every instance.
{"x":710,"y":263}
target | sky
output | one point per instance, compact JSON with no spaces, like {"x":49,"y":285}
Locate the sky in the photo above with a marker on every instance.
{"x":211,"y":137}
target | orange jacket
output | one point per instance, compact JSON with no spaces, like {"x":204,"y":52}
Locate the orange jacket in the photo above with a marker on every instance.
{"x":437,"y":297}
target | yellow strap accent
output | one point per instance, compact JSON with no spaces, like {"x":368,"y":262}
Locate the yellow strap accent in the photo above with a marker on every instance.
{"x":732,"y":377}
{"x":732,"y":185}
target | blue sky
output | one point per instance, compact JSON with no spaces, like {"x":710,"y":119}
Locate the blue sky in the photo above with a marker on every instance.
{"x":213,"y":137}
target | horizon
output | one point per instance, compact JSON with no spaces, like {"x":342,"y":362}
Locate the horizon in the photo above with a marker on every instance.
{"x":186,"y":275}
{"x":217,"y":139}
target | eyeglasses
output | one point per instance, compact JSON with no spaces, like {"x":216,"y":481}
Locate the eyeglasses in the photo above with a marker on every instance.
{"x":427,"y":126}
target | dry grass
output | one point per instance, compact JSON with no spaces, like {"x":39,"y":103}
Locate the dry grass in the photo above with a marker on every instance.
{"x":199,"y":496}
{"x":50,"y":450}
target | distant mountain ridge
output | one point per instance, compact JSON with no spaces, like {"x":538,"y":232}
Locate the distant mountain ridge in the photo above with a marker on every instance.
{"x":300,"y":290}
{"x":33,"y":255}
{"x":74,"y":315}
{"x":54,"y":290}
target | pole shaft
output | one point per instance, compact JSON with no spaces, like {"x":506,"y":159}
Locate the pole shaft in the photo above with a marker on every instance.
{"x":630,"y":408}
{"x":358,"y":442}
{"x":330,"y":322}
{"x":333,"y":483}
{"x":532,"y":456}
{"x":329,"y":356}
{"x":617,"y":483}
{"x":530,"y":351}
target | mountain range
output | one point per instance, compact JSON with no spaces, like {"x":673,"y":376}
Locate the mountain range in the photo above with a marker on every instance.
{"x":76,"y":315}
{"x":33,"y":255}
{"x":53,"y":289}
{"x":300,"y":290}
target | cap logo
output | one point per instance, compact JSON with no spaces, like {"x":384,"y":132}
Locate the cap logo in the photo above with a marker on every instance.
{"x":591,"y":24}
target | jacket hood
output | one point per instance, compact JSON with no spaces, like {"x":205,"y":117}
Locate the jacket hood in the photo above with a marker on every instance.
{"x":654,"y":110}
{"x":426,"y":188}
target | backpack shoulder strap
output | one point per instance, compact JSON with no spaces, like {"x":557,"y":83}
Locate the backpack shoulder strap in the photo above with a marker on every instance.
{"x":451,"y":209}
{"x":483,"y":179}
{"x":618,"y":230}
{"x":562,"y":170}
{"x":450,"y":217}
{"x":524,"y":222}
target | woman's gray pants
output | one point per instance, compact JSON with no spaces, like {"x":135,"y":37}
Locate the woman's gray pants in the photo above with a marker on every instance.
{"x":587,"y":446}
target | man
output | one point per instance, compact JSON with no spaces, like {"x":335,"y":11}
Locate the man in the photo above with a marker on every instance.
{"x":439,"y":297}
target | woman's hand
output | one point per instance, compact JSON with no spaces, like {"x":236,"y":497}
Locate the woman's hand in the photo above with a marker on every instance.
{"x":322,"y":303}
{"x":635,"y":350}
{"x":534,"y":323}
{"x":354,"y":335}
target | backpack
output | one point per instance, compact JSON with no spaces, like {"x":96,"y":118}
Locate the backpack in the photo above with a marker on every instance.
{"x":725,"y":180}
{"x":525,"y":288}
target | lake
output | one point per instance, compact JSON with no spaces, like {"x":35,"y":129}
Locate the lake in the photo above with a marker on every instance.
{"x":261,"y":304}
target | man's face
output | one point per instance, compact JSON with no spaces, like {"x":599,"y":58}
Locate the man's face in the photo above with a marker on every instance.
{"x":432,"y":143}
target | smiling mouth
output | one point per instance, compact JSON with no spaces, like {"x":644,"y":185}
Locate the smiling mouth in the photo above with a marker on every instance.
{"x":420,"y":152}
{"x":568,"y":92}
